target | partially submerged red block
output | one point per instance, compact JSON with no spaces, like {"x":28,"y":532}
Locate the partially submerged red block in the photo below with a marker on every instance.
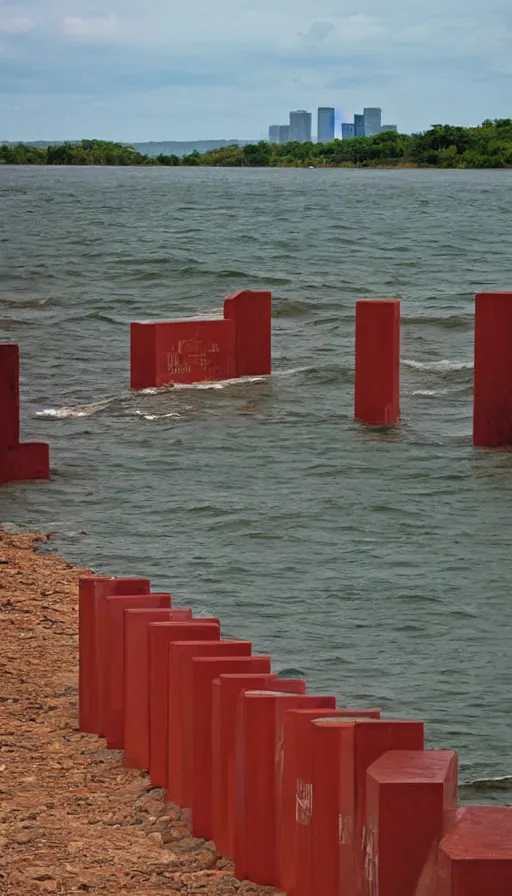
{"x":92,"y":591}
{"x":309,"y":800}
{"x":161,"y":634}
{"x":226,"y":693}
{"x":492,"y":396}
{"x":18,"y":460}
{"x":195,"y":350}
{"x":198,"y":733}
{"x":113,"y":691}
{"x":377,"y":374}
{"x":256,"y":780}
{"x":181,"y":654}
{"x":136,"y":682}
{"x":475,"y":856}
{"x":407,"y":795}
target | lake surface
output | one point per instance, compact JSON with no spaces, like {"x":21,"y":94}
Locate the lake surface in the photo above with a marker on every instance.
{"x":377,"y":564}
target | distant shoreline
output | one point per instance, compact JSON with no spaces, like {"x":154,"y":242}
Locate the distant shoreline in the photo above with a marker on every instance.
{"x":488,"y":146}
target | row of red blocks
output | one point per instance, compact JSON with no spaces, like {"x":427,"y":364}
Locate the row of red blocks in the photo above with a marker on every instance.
{"x":304,"y":796}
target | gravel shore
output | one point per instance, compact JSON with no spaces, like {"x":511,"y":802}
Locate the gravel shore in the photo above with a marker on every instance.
{"x":73,"y":820}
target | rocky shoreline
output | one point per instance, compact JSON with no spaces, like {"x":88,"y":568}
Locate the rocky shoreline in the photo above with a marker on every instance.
{"x":73,"y":819}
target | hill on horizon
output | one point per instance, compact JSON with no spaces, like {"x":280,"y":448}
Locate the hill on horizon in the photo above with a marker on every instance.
{"x":150,"y":148}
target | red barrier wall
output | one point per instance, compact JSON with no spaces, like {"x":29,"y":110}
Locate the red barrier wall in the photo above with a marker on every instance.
{"x":377,"y":373}
{"x":203,"y":672}
{"x":136,"y":683}
{"x":180,"y":654}
{"x":407,"y":795}
{"x":92,"y":590}
{"x":18,"y":460}
{"x":310,"y":803}
{"x":161,"y":634}
{"x":475,"y":857}
{"x":256,"y":781}
{"x":492,"y":396}
{"x":308,"y":846}
{"x":196,"y":350}
{"x":111,"y":651}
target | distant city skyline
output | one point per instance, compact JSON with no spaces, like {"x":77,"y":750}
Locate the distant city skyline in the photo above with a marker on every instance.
{"x":367,"y":124}
{"x":130,"y":71}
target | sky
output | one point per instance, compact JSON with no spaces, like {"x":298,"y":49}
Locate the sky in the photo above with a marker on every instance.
{"x":223,"y":69}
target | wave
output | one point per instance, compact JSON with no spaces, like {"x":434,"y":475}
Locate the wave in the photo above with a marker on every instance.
{"x":79,"y":410}
{"x":444,"y":366}
{"x":429,"y":393}
{"x":482,"y":785}
{"x":451,"y":322}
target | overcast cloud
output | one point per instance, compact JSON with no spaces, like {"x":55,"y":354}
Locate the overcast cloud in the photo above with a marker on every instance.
{"x":159,"y":69}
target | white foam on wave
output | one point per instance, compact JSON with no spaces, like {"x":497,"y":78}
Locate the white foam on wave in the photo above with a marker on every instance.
{"x":430,"y":393}
{"x":157,"y":416}
{"x":79,"y":410}
{"x":444,"y":366}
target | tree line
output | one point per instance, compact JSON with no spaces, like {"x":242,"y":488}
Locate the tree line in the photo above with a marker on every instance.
{"x":442,"y":146}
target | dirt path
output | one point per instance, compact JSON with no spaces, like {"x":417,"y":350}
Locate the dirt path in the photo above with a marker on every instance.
{"x":72,"y":819}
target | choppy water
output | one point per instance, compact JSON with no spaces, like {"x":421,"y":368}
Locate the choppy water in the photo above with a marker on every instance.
{"x":376,"y":563}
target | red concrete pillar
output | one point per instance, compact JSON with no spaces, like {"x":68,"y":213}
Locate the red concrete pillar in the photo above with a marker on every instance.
{"x":492,"y":397}
{"x":256,"y":777}
{"x":92,"y":590}
{"x":112,"y":650}
{"x":251,"y":311}
{"x":18,"y":461}
{"x":361,"y":743}
{"x":136,"y":685}
{"x":475,"y":857}
{"x":204,"y":671}
{"x":310,"y":779}
{"x":9,"y":397}
{"x":163,"y":600}
{"x":377,"y":374}
{"x":161,"y":634}
{"x":226,"y":693}
{"x":407,"y":794}
{"x":181,"y":654}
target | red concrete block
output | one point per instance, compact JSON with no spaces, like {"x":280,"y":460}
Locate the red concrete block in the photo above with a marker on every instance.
{"x":407,"y":794}
{"x":377,"y":374}
{"x":92,"y":590}
{"x":18,"y":461}
{"x":475,"y":857}
{"x":198,"y":350}
{"x":256,"y":777}
{"x":161,"y":634}
{"x":136,"y":683}
{"x":302,"y":791}
{"x":197,"y":733}
{"x":492,"y":397}
{"x":113,"y":712}
{"x":361,"y":743}
{"x":226,"y":691}
{"x":251,"y":312}
{"x":182,"y":351}
{"x":102,"y":635}
{"x":9,"y":397}
{"x":181,"y":654}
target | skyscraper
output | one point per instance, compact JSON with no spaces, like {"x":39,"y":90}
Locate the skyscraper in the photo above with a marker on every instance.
{"x":284,"y":133}
{"x":372,"y":121}
{"x":390,"y":127}
{"x":358,"y":125}
{"x":325,"y":129}
{"x":347,"y":130}
{"x":273,"y":133}
{"x":300,"y":126}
